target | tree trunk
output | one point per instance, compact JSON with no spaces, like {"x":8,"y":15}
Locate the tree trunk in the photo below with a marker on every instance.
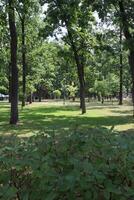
{"x":80,"y":69}
{"x":31,"y":98}
{"x":23,"y":62}
{"x":102,"y":100}
{"x":40,"y":95}
{"x":99,"y":98}
{"x":9,"y":82}
{"x":127,"y":87}
{"x":121,"y":71}
{"x":131,"y":63}
{"x":14,"y":69}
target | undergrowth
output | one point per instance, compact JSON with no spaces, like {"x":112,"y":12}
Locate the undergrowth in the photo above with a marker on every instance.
{"x":96,"y":164}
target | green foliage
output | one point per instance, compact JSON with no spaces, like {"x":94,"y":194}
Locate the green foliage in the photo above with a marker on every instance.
{"x":57,"y":94}
{"x":95,"y":164}
{"x":106,"y":87}
{"x":50,"y":60}
{"x":72,"y":90}
{"x":101,"y":87}
{"x":113,"y":84}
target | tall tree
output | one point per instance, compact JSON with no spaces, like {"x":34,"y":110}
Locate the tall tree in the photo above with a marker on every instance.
{"x":127,"y":20}
{"x":25,"y":9}
{"x":75,"y":17}
{"x":123,"y":11}
{"x":14,"y":69}
{"x":23,"y":34}
{"x":121,"y":70}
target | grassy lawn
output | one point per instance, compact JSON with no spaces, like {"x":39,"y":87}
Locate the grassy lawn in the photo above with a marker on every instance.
{"x":54,"y":116}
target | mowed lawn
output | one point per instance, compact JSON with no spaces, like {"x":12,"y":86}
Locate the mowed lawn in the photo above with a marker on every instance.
{"x":54,"y":116}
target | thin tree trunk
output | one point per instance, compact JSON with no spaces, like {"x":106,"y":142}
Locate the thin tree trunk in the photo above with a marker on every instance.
{"x":40,"y":98}
{"x":14,"y":69}
{"x":131,"y":63}
{"x":40,"y":94}
{"x":23,"y":62}
{"x":121,"y":71}
{"x":30,"y":98}
{"x":9,"y":82}
{"x":80,"y":69}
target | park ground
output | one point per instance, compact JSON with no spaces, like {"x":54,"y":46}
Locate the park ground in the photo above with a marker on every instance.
{"x":54,"y":116}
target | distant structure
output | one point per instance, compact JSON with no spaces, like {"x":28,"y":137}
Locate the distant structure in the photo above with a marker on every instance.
{"x":3,"y":97}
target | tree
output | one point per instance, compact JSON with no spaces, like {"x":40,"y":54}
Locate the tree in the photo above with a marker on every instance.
{"x":121,"y":70}
{"x":126,"y":14}
{"x":72,"y":91}
{"x":25,"y":9}
{"x":123,"y":12}
{"x":101,"y":89}
{"x":75,"y":17}
{"x":57,"y":94}
{"x":14,"y":69}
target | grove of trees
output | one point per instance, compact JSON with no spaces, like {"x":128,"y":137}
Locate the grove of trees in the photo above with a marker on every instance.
{"x":77,"y":57}
{"x":66,"y":49}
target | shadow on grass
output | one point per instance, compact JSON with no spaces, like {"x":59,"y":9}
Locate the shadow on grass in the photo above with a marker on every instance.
{"x":56,"y":123}
{"x":123,"y":112}
{"x":57,"y":118}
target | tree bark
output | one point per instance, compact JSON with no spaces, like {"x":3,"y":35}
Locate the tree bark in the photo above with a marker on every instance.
{"x":40,"y":94}
{"x":23,"y":62}
{"x":30,"y":98}
{"x":80,"y":69}
{"x":131,"y":63}
{"x":9,"y":82}
{"x":121,"y":71}
{"x":14,"y":69}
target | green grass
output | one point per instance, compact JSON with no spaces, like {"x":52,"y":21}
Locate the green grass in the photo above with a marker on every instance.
{"x":51,"y":116}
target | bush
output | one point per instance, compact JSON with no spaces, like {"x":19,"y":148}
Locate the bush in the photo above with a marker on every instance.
{"x":57,"y":94}
{"x":96,"y":165}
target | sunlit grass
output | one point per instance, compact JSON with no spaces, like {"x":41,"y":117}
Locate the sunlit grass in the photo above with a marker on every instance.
{"x":54,"y":116}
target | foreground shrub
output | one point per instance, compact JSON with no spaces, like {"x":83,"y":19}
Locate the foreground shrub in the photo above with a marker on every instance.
{"x":96,"y":165}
